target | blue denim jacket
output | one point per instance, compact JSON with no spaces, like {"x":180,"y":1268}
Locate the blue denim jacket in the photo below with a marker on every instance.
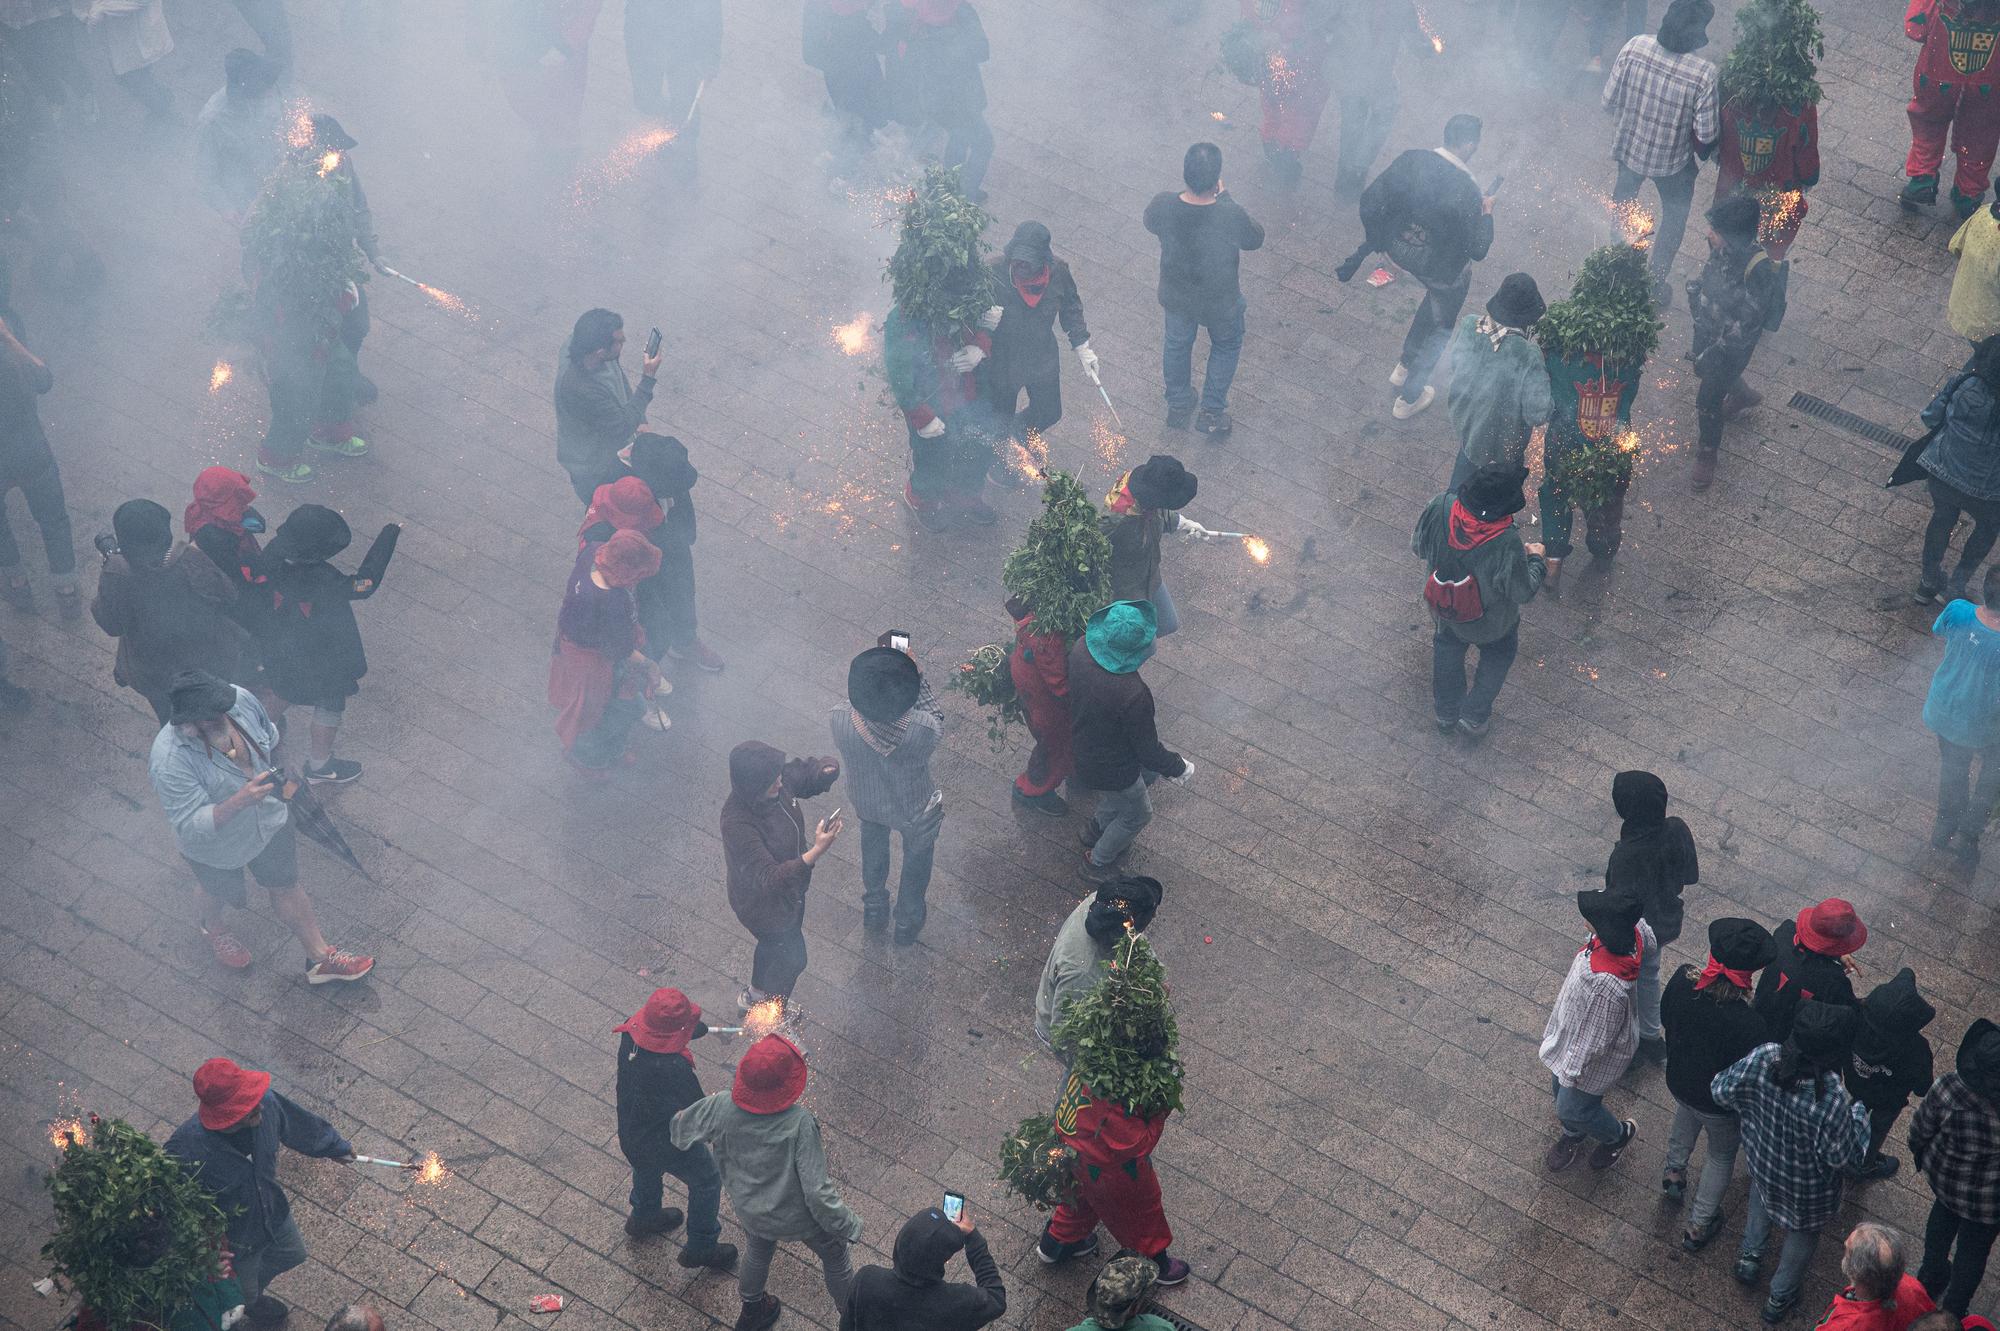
{"x":1966,"y":453}
{"x":191,"y":779}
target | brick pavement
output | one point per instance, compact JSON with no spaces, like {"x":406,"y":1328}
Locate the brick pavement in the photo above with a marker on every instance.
{"x":1390,"y":912}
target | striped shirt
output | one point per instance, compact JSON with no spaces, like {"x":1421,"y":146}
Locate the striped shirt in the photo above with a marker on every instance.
{"x":895,"y":788}
{"x":1665,"y":104}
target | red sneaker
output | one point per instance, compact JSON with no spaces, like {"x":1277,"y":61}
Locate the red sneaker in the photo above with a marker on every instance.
{"x":228,"y":951}
{"x":336,"y":965}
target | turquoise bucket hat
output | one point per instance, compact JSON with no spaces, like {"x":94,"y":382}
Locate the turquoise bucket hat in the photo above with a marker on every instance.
{"x":1120,"y":636}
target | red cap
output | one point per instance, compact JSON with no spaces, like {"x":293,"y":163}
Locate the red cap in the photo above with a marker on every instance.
{"x":1831,"y":928}
{"x":771,"y":1077}
{"x":227,"y":1093}
{"x":665,"y":1024}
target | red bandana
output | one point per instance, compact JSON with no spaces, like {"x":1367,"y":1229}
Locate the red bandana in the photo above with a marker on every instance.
{"x":1120,"y":500}
{"x":1034,"y":287}
{"x":1716,"y":970}
{"x":1467,"y":531}
{"x":1603,"y":961}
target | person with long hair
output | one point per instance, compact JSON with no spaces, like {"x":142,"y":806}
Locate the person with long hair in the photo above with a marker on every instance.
{"x":1963,"y":460}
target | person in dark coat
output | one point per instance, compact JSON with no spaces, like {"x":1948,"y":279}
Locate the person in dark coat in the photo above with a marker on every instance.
{"x":1654,"y":859}
{"x":671,"y":48}
{"x":666,"y":600}
{"x":168,"y":615}
{"x":913,"y":1295}
{"x":1955,"y":1140}
{"x":841,"y":41}
{"x":230,"y":1147}
{"x":1036,"y":289}
{"x":28,"y":465}
{"x":1891,"y":1062}
{"x":935,"y":50}
{"x":1427,"y":213}
{"x":1481,"y":574}
{"x":1710,"y":1025}
{"x":656,"y":1080}
{"x":313,"y":653}
{"x":1739,"y":293}
{"x":1143,"y":507}
{"x":1963,"y":460}
{"x":1112,"y":732}
{"x":1203,"y":235}
{"x":1812,"y":963}
{"x":768,"y":857}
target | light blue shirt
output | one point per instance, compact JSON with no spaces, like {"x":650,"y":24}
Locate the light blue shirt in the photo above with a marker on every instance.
{"x":191,"y":778}
{"x":1964,"y":703}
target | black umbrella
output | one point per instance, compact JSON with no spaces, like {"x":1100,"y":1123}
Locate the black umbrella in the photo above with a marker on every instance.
{"x":310,"y":817}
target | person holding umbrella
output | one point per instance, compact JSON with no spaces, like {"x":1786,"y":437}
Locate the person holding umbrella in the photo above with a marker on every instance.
{"x":211,"y":768}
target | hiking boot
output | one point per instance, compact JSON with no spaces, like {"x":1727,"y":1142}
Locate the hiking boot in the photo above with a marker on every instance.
{"x":1048,"y":802}
{"x":338,"y":967}
{"x":1941,"y":833}
{"x":1696,"y":1237}
{"x":1776,"y":1309}
{"x":1404,"y":408}
{"x":1053,"y":1253}
{"x":709,"y":1256}
{"x":14,"y":698}
{"x":1563,"y":1154}
{"x":20,"y":595}
{"x":291,"y":473}
{"x":1473,"y":729}
{"x":701,"y":654}
{"x":659,"y":1222}
{"x":1173,"y":1271}
{"x":1745,"y":1270}
{"x":1928,"y":592}
{"x":1652,"y":1049}
{"x":227,"y":949}
{"x":335,"y":772}
{"x":1605,"y":1154}
{"x":1214,"y":424}
{"x":1920,"y":192}
{"x":1674,"y":1184}
{"x":1880,"y":1166}
{"x":1704,"y":469}
{"x":267,"y":1310}
{"x":1178,"y":417}
{"x":1100,"y":873}
{"x":1963,"y":206}
{"x":761,"y":1315}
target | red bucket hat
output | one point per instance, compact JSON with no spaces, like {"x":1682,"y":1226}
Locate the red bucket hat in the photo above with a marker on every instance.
{"x":1831,"y":928}
{"x":227,"y":1093}
{"x":771,"y":1077}
{"x":665,"y":1024}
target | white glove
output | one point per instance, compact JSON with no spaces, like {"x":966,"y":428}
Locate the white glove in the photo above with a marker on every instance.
{"x":966,"y":359}
{"x":1191,"y":530}
{"x":1089,"y":359}
{"x":1187,"y":770}
{"x":932,"y":430}
{"x":991,"y":319}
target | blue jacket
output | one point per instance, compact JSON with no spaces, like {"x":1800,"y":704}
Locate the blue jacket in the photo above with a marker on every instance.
{"x":245,"y":1185}
{"x":1966,"y":453}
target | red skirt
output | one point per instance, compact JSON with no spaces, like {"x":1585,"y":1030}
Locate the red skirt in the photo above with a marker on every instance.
{"x":581,"y":682}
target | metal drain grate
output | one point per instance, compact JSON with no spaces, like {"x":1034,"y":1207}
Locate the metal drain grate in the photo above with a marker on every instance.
{"x":1823,"y":410}
{"x":1178,"y":1322}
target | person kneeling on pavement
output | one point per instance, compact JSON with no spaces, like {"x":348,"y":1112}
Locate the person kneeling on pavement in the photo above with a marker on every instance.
{"x":1591,"y":1034}
{"x":1481,"y":574}
{"x":656,"y":1080}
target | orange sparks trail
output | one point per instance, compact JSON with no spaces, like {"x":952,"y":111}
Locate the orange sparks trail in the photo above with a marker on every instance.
{"x":1628,"y":442}
{"x":445,"y":299}
{"x":1260,"y":550}
{"x":431,"y":1170}
{"x":66,"y":1130}
{"x":220,"y":375}
{"x":1437,"y":41}
{"x":1781,"y":213}
{"x":1217,"y":116}
{"x":1110,"y":445}
{"x":1030,"y":459}
{"x":329,"y":163}
{"x":1282,"y":74}
{"x":1635,"y":224}
{"x":624,"y":159}
{"x":299,"y":133}
{"x":855,"y":337}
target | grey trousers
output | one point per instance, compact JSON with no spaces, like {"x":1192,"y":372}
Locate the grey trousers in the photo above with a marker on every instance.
{"x":1725,"y":1134}
{"x":758,"y":1251}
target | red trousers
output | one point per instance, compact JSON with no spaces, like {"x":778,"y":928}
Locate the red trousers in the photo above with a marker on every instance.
{"x":1126,"y":1197}
{"x":1973,"y":120}
{"x":1292,"y":118}
{"x":1048,"y":721}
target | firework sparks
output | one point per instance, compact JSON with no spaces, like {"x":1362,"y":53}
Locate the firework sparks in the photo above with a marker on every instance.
{"x":855,"y":337}
{"x":623,"y":160}
{"x":1628,"y":442}
{"x":65,"y":1131}
{"x":1432,"y":34}
{"x":1030,"y":458}
{"x":764,"y":1018}
{"x":1635,"y":224}
{"x":1280,"y":72}
{"x":1259,"y":549}
{"x":1110,"y":445}
{"x":299,"y":129}
{"x":884,"y":207}
{"x":1218,"y":117}
{"x":1781,"y":214}
{"x":445,"y":299}
{"x":220,"y":376}
{"x":431,"y":1170}
{"x":329,"y":162}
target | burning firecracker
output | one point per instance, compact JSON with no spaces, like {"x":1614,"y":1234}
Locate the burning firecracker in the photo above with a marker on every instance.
{"x":1280,"y":73}
{"x":220,"y":376}
{"x":431,"y":1170}
{"x":1259,"y":550}
{"x":64,"y":1132}
{"x":764,"y":1018}
{"x":329,"y":162}
{"x":299,"y":130}
{"x":1430,"y":33}
{"x":856,"y":337}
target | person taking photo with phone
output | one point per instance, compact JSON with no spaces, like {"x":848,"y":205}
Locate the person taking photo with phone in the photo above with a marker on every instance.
{"x":768,"y":857}
{"x":885,"y":734}
{"x":597,"y":409}
{"x":913,"y":1295}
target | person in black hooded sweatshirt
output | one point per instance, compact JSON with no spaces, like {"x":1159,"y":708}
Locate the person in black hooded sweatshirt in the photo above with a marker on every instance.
{"x":666,"y":600}
{"x":914,"y":1295}
{"x":1654,"y":859}
{"x":1891,"y":1062}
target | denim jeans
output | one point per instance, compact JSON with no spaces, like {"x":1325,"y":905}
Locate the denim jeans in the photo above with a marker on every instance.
{"x":1963,"y":812}
{"x":834,"y":1264}
{"x":1584,"y":1115}
{"x":1225,"y":347}
{"x":1364,"y":127}
{"x":1719,"y":373}
{"x":1676,"y":196}
{"x":1953,"y":1283}
{"x":1166,"y":618}
{"x":1725,"y":1134}
{"x":1448,"y":692}
{"x":778,"y":962}
{"x":1121,"y":815}
{"x":1646,"y":995}
{"x":51,"y":513}
{"x":1430,"y":329}
{"x":919,"y":849}
{"x":1793,"y":1257}
{"x":694,"y":1167}
{"x":1947,"y":503}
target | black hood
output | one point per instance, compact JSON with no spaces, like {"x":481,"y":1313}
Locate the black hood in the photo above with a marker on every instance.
{"x":926,"y":1243}
{"x":1979,"y":1059}
{"x":1891,"y":1016}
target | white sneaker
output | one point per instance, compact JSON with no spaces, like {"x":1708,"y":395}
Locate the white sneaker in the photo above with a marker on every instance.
{"x":1404,"y":410}
{"x":1399,"y":376}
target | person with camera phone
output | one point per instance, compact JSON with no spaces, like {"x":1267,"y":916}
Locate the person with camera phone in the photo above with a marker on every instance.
{"x":886,"y":734}
{"x":768,"y":855}
{"x":913,"y":1295}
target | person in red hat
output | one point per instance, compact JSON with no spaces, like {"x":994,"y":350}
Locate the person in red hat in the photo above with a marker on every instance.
{"x":230,"y":1146}
{"x":774,"y":1169}
{"x":655,"y":1082}
{"x":1815,"y":961}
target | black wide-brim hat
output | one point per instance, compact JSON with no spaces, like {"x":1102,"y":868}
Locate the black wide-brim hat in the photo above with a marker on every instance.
{"x":1613,"y":914}
{"x":1492,"y":492}
{"x":1824,"y":1032}
{"x":1161,"y":482}
{"x":327,"y":133}
{"x":309,"y":533}
{"x":1740,"y":944}
{"x":883,"y":683}
{"x":196,"y":695}
{"x":1031,"y":244}
{"x":1518,"y":303}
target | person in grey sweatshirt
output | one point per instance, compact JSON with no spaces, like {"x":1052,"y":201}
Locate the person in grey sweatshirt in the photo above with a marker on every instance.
{"x":886,"y":733}
{"x":1083,"y":945}
{"x":597,"y":409}
{"x":774,"y":1170}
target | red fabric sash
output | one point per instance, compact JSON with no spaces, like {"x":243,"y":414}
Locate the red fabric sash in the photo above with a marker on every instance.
{"x":1467,"y":531}
{"x":1034,"y":288}
{"x":1605,"y":962}
{"x":1716,"y":970}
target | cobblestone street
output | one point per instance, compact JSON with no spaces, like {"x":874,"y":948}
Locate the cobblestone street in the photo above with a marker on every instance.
{"x":1364,"y":922}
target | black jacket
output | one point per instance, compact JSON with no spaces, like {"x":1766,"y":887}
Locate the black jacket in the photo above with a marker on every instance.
{"x":240,"y":1169}
{"x":1112,"y":732}
{"x":1201,"y":250}
{"x":1705,"y":1034}
{"x":1796,"y":976}
{"x":1654,"y":863}
{"x":1892,"y":1059}
{"x":933,"y":70}
{"x":652,"y":1088}
{"x":1428,"y":215}
{"x":312,"y":647}
{"x":914,"y":1296}
{"x":24,"y":448}
{"x":1024,"y":345}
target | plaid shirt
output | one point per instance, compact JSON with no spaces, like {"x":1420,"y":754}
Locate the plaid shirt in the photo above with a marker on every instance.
{"x":1797,"y":1142}
{"x":1665,"y":104}
{"x":1592,"y":1034}
{"x":1955,"y":1139}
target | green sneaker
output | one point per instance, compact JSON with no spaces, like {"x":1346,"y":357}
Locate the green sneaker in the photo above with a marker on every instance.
{"x":351,"y":447}
{"x":295,"y":473}
{"x":1964,"y":207}
{"x":1920,"y":193}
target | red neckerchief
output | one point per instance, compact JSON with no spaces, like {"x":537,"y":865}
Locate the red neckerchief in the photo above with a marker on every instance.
{"x":1035,"y":287}
{"x":1605,"y":962}
{"x":1120,"y":500}
{"x":1467,"y":531}
{"x":1716,"y":970}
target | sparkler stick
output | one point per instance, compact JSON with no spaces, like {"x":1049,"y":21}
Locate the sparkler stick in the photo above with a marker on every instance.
{"x":403,"y":277}
{"x":695,"y":105}
{"x":725,"y":1030}
{"x":1107,"y":402}
{"x":386,"y":1164}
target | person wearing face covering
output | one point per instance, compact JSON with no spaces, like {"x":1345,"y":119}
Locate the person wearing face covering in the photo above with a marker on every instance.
{"x":1653,"y":860}
{"x":1955,"y":1141}
{"x":1036,"y":290}
{"x":220,"y":523}
{"x":1082,"y":949}
{"x":666,"y":600}
{"x":1590,"y":1036}
{"x":1891,"y":1062}
{"x":312,"y":653}
{"x":168,"y":614}
{"x":913,"y":1295}
{"x":598,"y":676}
{"x":768,"y":857}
